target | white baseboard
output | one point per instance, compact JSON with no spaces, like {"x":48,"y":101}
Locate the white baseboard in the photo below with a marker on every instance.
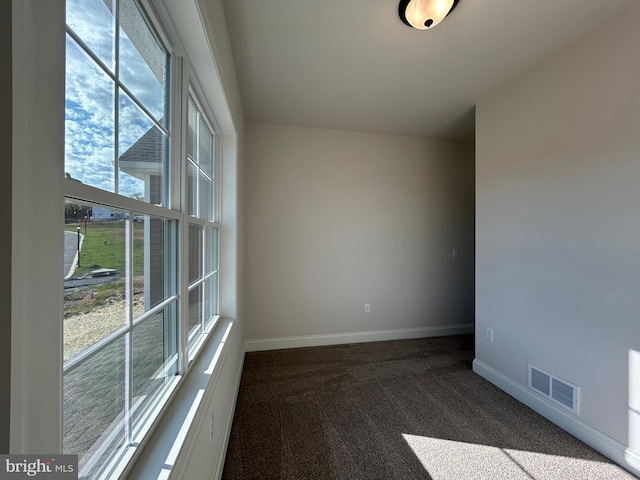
{"x":258,"y":345}
{"x":604,"y":444}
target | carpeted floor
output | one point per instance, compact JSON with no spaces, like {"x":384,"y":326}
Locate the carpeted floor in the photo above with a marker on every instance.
{"x":408,"y":409}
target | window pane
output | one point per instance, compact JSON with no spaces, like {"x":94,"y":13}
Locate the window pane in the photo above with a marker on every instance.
{"x":153,"y":246}
{"x":205,"y":147}
{"x":89,"y":121}
{"x":205,"y":193}
{"x":192,"y":189}
{"x":195,"y":312}
{"x":143,"y":62}
{"x":141,"y":146}
{"x":192,"y":132}
{"x":94,"y":22}
{"x":195,"y":253}
{"x":95,"y":273}
{"x":211,"y":250}
{"x":94,"y":401}
{"x":211,"y":297}
{"x":155,"y":344}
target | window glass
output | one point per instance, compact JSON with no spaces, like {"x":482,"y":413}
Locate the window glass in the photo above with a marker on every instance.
{"x":203,"y":279}
{"x":195,"y":252}
{"x":95,"y":274}
{"x":94,"y":22}
{"x":120,"y":308}
{"x":205,"y":197}
{"x":195,"y":311}
{"x":211,"y":250}
{"x":138,"y":84}
{"x":192,"y":189}
{"x":205,"y":147}
{"x":141,"y":150}
{"x":93,"y":404}
{"x":154,"y":358}
{"x":89,"y":121}
{"x":192,"y":138}
{"x":200,"y":165}
{"x":153,"y":282}
{"x":211,"y":293}
{"x":143,"y":62}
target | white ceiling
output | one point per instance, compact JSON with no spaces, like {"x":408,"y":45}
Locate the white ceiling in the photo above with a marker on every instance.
{"x":353,"y":64}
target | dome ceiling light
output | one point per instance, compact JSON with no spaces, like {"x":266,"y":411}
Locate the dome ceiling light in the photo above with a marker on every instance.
{"x":425,"y":14}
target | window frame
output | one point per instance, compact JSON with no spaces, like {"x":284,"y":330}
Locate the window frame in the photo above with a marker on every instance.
{"x":181,"y":84}
{"x":193,"y":345}
{"x":37,"y":68}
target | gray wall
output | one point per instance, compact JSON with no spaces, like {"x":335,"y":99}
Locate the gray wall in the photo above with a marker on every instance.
{"x":5,"y":240}
{"x":558,"y":225}
{"x":337,"y":219}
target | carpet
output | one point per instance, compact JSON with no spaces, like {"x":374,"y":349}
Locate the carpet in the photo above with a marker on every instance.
{"x":407,"y":409}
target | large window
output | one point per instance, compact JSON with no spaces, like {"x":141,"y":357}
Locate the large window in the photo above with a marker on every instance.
{"x":140,"y":234}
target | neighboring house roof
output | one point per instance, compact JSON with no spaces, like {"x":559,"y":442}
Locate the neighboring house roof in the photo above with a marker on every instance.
{"x":146,"y":156}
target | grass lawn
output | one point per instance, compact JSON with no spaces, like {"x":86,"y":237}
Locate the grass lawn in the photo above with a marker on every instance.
{"x":103,"y":246}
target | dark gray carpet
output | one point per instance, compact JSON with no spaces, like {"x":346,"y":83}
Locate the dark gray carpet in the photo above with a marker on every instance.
{"x":409,"y":409}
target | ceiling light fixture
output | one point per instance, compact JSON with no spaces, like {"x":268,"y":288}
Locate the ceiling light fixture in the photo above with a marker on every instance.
{"x":425,"y":14}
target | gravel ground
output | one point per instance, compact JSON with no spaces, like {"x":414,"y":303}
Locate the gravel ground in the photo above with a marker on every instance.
{"x":83,"y":330}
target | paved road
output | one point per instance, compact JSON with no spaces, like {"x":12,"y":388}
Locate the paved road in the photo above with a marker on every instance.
{"x":70,"y":250}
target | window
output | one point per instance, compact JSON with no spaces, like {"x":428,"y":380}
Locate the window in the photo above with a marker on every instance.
{"x":203,"y":234}
{"x":141,"y":243}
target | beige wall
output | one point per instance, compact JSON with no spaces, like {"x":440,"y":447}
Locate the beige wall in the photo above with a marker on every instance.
{"x":558,"y":225}
{"x":337,"y":219}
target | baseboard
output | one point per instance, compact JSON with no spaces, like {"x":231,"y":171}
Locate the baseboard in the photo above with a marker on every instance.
{"x":610,"y":448}
{"x":355,"y":337}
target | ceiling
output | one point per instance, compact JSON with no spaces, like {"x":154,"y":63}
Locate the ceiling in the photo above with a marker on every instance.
{"x":354,"y":65}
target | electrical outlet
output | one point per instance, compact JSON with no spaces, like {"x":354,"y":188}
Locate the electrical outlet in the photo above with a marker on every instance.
{"x":211,"y":428}
{"x":456,"y":253}
{"x":367,"y":308}
{"x":488,"y":333}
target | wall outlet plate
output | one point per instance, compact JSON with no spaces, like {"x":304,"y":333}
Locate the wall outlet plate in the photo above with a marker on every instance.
{"x":488,"y":333}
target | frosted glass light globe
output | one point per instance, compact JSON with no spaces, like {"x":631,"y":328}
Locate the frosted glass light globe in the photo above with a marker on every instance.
{"x":425,"y":14}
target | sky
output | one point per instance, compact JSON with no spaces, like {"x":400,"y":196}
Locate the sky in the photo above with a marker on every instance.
{"x":90,"y":112}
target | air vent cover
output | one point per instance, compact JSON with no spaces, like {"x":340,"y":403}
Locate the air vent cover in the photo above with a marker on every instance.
{"x":554,"y":388}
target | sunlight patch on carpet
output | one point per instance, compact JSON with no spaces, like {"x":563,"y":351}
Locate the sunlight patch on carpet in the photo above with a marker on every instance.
{"x":446,"y":459}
